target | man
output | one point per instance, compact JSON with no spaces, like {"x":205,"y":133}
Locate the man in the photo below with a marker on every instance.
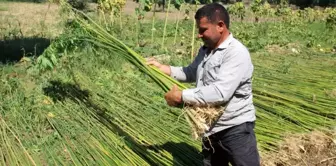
{"x":222,"y":71}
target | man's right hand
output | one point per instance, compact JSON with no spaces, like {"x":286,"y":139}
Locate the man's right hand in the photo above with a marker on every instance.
{"x":164,"y":68}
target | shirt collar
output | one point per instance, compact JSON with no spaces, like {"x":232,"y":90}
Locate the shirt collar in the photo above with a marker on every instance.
{"x":226,"y":42}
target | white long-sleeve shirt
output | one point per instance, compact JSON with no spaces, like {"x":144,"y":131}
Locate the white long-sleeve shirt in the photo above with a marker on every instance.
{"x":223,"y":77}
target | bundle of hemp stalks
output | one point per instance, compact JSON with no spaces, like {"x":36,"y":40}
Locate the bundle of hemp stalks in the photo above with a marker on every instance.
{"x":199,"y":118}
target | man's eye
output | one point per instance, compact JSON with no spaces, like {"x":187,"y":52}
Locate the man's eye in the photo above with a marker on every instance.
{"x":201,"y":30}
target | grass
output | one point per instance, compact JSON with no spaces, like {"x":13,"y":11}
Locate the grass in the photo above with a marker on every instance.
{"x":96,"y":108}
{"x":3,"y":8}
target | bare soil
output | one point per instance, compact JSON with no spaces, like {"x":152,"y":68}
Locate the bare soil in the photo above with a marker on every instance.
{"x":33,"y":18}
{"x":313,"y":149}
{"x":30,"y":18}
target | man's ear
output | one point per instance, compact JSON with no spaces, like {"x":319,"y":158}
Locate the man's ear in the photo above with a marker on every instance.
{"x":221,"y":26}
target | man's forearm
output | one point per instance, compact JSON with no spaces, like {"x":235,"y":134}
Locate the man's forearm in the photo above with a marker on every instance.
{"x":165,"y":69}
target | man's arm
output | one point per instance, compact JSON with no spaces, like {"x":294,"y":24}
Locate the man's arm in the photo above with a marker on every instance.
{"x":164,"y":68}
{"x":230,"y":75}
{"x":184,"y":74}
{"x":188,"y":74}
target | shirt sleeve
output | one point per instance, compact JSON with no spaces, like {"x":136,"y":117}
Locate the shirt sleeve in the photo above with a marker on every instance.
{"x":178,"y":73}
{"x":230,"y":75}
{"x":187,"y":74}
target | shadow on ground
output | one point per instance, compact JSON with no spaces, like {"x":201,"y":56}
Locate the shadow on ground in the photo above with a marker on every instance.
{"x":13,"y":50}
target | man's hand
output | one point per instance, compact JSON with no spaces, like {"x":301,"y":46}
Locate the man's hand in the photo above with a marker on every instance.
{"x":164,"y":68}
{"x":174,"y":96}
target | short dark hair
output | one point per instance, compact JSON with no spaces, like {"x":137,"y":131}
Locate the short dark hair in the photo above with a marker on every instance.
{"x":214,"y":12}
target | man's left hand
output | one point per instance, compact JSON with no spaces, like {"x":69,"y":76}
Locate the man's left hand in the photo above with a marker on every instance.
{"x":174,"y":96}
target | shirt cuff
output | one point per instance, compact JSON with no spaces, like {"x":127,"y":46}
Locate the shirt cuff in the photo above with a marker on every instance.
{"x":188,"y":96}
{"x":177,"y":73}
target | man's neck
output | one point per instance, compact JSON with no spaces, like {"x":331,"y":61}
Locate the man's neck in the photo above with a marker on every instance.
{"x":220,"y":41}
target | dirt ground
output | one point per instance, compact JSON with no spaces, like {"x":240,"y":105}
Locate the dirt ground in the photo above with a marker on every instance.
{"x":30,"y":18}
{"x":313,"y":149}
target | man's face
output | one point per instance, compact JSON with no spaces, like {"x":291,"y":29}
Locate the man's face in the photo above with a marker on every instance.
{"x":209,"y":32}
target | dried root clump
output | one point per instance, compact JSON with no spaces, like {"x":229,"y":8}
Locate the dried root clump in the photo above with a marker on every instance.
{"x":201,"y":119}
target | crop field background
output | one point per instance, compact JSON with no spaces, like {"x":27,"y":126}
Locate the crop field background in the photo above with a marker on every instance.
{"x":68,"y":101}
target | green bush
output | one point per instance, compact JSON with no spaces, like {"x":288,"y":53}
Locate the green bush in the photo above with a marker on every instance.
{"x":79,"y":4}
{"x":331,"y":19}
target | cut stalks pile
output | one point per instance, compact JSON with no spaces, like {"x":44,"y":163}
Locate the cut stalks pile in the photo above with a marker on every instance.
{"x":269,"y":100}
{"x":200,"y":119}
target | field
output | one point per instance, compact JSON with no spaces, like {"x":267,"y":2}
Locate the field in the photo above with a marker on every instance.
{"x":69,"y":101}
